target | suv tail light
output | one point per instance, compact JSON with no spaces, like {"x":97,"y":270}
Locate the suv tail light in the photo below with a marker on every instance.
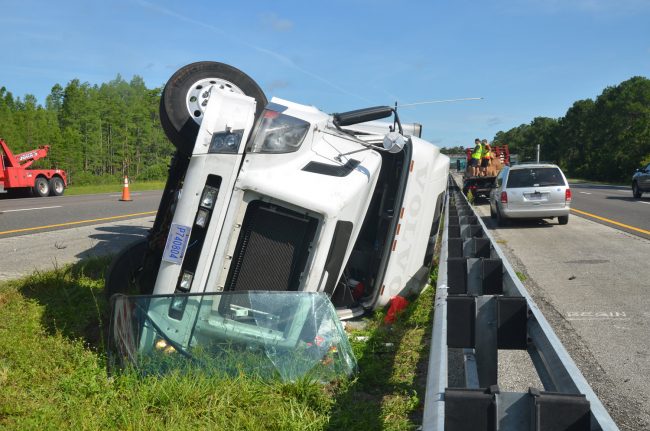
{"x":504,"y":197}
{"x":567,"y":195}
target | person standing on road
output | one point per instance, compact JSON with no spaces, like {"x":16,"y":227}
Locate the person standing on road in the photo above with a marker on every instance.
{"x":475,"y":161}
{"x":485,"y":157}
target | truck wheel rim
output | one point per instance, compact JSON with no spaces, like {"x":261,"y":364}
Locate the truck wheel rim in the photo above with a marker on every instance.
{"x":42,"y":187}
{"x":199,"y":93}
{"x":58,"y":187}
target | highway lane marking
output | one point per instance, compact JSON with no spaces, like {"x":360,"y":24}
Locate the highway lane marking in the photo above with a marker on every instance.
{"x":29,"y":209}
{"x":641,"y":202}
{"x":636,"y":229}
{"x":119,"y":195}
{"x":72,"y":223}
{"x":585,"y":193}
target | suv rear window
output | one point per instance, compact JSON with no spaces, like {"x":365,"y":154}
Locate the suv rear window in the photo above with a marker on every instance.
{"x":535,"y":177}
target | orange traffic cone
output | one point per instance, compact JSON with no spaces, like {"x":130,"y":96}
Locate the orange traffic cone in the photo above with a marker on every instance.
{"x":126,"y":196}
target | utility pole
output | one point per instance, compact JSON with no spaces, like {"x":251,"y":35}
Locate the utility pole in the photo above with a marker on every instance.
{"x":537,"y":153}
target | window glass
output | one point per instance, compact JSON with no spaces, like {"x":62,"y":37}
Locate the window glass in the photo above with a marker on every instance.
{"x":535,"y":177}
{"x":499,"y":179}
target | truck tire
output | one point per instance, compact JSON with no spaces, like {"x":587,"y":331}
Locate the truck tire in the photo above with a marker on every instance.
{"x":124,"y":270}
{"x":181,"y":103}
{"x":635,"y":191}
{"x":41,"y":187}
{"x":563,"y":219}
{"x":56,"y":186}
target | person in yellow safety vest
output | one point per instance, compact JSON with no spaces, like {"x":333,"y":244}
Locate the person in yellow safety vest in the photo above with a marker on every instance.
{"x":485,"y":157}
{"x":475,"y":161}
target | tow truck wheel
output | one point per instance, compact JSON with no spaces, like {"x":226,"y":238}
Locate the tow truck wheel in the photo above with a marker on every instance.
{"x":41,"y":187}
{"x":125,"y":269}
{"x":56,"y":186}
{"x":185,"y":97}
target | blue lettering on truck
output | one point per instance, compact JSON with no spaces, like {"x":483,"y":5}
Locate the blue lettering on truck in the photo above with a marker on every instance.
{"x":176,"y":243}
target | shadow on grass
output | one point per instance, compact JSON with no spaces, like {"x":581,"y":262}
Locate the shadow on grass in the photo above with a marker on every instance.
{"x":73,"y":300}
{"x":72,"y":297}
{"x":386,"y":395}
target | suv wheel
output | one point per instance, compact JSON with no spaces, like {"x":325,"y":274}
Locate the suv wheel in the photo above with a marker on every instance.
{"x":501,"y":221}
{"x":563,"y":219}
{"x":635,"y":191}
{"x":185,"y":97}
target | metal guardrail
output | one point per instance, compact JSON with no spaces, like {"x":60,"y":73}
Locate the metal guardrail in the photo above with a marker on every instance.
{"x":482,"y":306}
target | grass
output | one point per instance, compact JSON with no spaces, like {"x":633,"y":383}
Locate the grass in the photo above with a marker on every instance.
{"x":53,"y":372}
{"x":113,"y":188}
{"x":521,"y":276}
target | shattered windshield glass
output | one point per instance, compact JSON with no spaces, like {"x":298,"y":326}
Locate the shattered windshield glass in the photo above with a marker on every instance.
{"x":285,"y":334}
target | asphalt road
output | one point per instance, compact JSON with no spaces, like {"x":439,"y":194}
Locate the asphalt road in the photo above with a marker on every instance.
{"x":591,"y":282}
{"x":26,"y":216}
{"x":46,"y":233}
{"x":613,"y":206}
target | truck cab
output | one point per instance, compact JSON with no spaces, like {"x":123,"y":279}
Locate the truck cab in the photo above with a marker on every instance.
{"x":289,"y":198}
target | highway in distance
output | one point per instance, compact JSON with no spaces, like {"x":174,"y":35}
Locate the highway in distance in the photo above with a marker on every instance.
{"x":613,"y":206}
{"x":26,"y":216}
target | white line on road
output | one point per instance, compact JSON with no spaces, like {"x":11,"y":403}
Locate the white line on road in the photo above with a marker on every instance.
{"x":641,"y":202}
{"x":585,"y":193}
{"x":30,"y":209}
{"x":132,"y":194}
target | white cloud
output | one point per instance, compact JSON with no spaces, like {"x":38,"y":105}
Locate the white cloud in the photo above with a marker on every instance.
{"x":277,"y":23}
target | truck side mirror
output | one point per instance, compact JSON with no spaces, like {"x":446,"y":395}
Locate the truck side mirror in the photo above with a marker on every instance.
{"x":394,"y":142}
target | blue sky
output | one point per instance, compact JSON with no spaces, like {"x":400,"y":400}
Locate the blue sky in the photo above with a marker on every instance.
{"x":526,"y":58}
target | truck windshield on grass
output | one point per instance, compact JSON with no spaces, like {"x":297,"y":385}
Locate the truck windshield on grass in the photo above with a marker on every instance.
{"x":285,"y":334}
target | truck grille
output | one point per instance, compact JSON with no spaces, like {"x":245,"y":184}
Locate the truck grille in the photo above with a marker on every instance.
{"x":272,"y":249}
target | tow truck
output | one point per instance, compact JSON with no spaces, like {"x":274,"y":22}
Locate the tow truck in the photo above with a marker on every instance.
{"x":480,"y":185}
{"x":16,"y":175}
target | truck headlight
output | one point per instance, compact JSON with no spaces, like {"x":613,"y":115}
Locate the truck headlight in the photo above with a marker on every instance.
{"x":278,"y":133}
{"x":202,"y":217}
{"x":209,"y":196}
{"x":186,"y":281}
{"x":226,"y":142}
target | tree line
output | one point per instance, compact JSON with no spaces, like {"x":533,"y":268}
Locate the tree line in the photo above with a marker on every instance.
{"x":100,"y":133}
{"x":603,"y":139}
{"x":97,"y":133}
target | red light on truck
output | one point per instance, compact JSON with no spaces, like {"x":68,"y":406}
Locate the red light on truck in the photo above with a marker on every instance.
{"x":504,"y":197}
{"x":567,"y":195}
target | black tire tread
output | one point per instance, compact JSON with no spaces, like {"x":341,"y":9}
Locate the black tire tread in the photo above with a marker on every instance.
{"x":124,"y":268}
{"x":53,"y":183}
{"x":179,"y":126}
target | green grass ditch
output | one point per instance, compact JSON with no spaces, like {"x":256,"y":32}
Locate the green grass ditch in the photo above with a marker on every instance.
{"x":53,"y":371}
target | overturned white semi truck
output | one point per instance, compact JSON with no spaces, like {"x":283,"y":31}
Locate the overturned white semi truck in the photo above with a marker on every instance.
{"x":282,"y":197}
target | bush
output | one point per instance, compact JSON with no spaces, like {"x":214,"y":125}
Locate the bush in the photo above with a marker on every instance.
{"x":87,"y":178}
{"x":157,"y":171}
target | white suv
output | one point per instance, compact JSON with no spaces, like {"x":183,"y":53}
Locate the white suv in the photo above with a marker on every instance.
{"x":530,"y":191}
